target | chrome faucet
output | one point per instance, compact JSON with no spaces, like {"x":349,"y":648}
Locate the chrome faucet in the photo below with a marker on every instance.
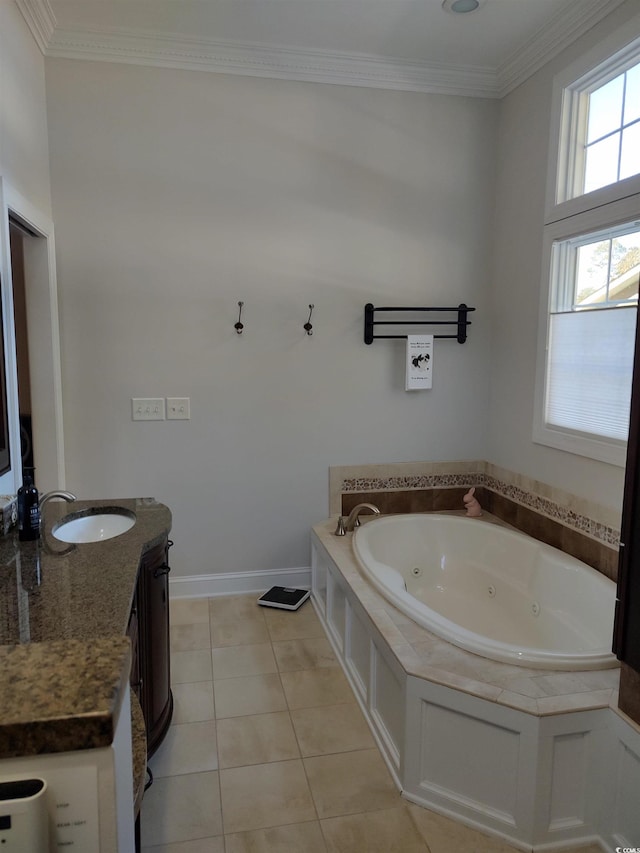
{"x":353,"y":520}
{"x":65,"y":496}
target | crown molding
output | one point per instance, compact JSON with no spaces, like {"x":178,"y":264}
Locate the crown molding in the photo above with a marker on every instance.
{"x":40,"y":19}
{"x":249,"y":59}
{"x":549,"y":42}
{"x":282,"y":63}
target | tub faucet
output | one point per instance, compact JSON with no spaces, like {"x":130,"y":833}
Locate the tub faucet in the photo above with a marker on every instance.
{"x":353,"y":521}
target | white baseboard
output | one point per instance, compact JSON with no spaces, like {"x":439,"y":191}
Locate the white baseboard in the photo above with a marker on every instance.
{"x":234,"y":583}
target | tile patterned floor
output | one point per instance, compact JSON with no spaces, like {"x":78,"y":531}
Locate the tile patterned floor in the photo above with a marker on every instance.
{"x":268,"y":751}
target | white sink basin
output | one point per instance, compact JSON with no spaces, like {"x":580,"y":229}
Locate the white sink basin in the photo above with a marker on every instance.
{"x":94,"y":526}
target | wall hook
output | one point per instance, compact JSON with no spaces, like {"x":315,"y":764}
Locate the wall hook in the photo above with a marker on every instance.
{"x":239,"y":326}
{"x":307,"y":326}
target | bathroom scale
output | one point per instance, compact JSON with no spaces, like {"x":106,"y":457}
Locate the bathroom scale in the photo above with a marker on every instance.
{"x":284,"y":597}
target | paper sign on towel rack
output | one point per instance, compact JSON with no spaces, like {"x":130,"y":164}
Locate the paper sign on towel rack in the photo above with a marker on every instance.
{"x":419,"y":362}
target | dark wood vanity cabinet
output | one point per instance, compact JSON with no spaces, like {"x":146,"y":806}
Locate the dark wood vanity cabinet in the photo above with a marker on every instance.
{"x":149,"y":634}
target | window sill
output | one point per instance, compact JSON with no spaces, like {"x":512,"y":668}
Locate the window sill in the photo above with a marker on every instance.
{"x":611,"y":452}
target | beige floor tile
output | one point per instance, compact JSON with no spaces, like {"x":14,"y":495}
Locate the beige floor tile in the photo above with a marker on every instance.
{"x":235,"y":609}
{"x":241,"y":633}
{"x":309,"y":653}
{"x":236,"y":697}
{"x":293,"y":624}
{"x":200,"y":845}
{"x":310,"y":688}
{"x":191,"y":666}
{"x":332,"y":728}
{"x":295,"y":838}
{"x":264,"y":795}
{"x":181,"y":808}
{"x":187,"y":748}
{"x":188,"y":638}
{"x":256,"y":739}
{"x":350,"y":783}
{"x":387,"y":831}
{"x":444,"y":835}
{"x":236,"y":661}
{"x":186,"y":611}
{"x":192,"y":702}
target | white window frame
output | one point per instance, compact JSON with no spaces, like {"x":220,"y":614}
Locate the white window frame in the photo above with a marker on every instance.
{"x":569,"y":217}
{"x":570,"y":93}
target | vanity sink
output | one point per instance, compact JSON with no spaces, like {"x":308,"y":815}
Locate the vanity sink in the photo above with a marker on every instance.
{"x":92,"y":526}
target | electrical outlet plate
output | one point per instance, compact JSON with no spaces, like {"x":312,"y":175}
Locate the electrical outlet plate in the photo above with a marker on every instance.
{"x":178,"y":408}
{"x":147,"y":408}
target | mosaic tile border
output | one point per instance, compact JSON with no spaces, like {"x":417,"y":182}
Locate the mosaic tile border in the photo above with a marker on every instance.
{"x":565,"y":515}
{"x":551,"y":509}
{"x":424,"y":481}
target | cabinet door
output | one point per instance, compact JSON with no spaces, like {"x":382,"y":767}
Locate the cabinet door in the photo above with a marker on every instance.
{"x":157,"y":703}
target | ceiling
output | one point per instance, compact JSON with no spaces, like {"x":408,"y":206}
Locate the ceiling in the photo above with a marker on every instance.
{"x":413,"y":45}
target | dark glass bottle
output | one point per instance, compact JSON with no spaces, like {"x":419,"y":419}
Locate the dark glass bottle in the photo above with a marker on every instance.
{"x":28,"y":509}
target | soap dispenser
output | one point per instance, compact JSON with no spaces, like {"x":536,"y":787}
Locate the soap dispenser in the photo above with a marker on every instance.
{"x":28,"y":509}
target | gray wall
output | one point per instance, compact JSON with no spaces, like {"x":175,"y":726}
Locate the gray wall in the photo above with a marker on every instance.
{"x":24,"y":155}
{"x":176,"y":194}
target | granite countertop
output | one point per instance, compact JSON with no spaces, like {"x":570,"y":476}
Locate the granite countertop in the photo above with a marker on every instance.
{"x":64,"y":612}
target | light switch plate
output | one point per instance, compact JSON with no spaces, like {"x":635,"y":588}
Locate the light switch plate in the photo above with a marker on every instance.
{"x":178,"y":408}
{"x":147,"y":408}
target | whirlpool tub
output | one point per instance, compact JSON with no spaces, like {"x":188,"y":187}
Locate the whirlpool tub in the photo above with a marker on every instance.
{"x":491,"y":590}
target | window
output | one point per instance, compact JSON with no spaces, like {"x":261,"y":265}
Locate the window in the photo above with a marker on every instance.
{"x":600,"y":136}
{"x":591,"y":269}
{"x":612,"y":143}
{"x":591,"y":332}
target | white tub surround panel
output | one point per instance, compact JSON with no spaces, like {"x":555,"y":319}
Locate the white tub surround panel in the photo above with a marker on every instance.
{"x":619,"y":805}
{"x":376,"y":676}
{"x":533,"y":780}
{"x":538,"y":757}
